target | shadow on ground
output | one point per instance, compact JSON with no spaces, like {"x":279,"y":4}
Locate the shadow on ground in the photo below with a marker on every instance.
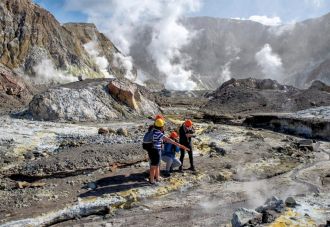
{"x":118,"y":183}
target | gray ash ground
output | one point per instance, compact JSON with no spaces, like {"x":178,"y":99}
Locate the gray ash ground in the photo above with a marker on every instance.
{"x":80,"y":163}
{"x":48,"y":168}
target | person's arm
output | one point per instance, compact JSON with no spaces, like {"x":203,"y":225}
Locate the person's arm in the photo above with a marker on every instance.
{"x":168,"y":140}
{"x":190,"y":133}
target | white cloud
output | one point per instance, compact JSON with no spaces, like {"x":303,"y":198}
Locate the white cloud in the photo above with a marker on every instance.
{"x":120,"y":20}
{"x":270,"y":63}
{"x":269,"y":21}
{"x":92,"y":49}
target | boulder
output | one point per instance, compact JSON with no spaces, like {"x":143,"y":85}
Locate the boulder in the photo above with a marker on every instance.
{"x":103,"y":131}
{"x":89,"y":100}
{"x":272,"y":203}
{"x":125,"y":92}
{"x":291,"y":202}
{"x":122,"y":132}
{"x":246,"y":217}
{"x":311,"y":145}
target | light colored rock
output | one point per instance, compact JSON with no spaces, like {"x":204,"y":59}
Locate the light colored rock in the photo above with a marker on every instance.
{"x":86,"y":101}
{"x":128,"y":93}
{"x":243,"y":217}
{"x":125,"y":92}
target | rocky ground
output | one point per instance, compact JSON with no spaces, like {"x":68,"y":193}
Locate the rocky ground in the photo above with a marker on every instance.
{"x":68,"y":171}
{"x":247,"y":96}
{"x":90,"y":169}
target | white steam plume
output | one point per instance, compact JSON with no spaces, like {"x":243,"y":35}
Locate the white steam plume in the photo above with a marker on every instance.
{"x":126,"y":63}
{"x":120,"y":21}
{"x":225,"y":74}
{"x":45,"y":72}
{"x":92,"y":49}
{"x":270,"y":63}
{"x":268,"y":21}
{"x":279,"y":30}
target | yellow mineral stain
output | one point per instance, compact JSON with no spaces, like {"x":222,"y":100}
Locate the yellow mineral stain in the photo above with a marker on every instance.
{"x":291,"y":218}
{"x":130,"y":195}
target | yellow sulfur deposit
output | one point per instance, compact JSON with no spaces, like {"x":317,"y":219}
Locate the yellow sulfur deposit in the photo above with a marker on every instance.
{"x":293,"y":219}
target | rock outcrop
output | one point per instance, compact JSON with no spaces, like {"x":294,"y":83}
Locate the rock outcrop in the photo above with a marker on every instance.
{"x":30,"y":34}
{"x":90,"y":100}
{"x":311,"y":123}
{"x":246,"y":217}
{"x":14,"y":92}
{"x":319,"y":85}
{"x":248,"y":96}
{"x":128,"y":93}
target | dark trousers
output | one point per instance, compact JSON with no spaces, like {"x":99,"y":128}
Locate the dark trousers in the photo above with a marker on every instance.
{"x":183,"y":152}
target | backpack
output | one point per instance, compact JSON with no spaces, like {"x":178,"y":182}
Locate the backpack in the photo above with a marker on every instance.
{"x":148,"y":140}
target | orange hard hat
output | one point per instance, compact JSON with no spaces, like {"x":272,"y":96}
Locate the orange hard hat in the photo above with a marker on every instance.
{"x":159,"y":116}
{"x":174,"y":135}
{"x":188,"y":123}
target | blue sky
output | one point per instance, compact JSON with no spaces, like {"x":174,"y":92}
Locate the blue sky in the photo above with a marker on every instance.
{"x":287,"y":10}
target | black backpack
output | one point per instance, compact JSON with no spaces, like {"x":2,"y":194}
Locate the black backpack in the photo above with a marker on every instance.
{"x":148,"y":140}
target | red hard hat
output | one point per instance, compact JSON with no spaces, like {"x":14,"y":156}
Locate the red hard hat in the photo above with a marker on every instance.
{"x":188,"y":123}
{"x":174,"y":135}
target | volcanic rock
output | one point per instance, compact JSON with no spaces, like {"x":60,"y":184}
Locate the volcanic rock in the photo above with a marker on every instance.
{"x":122,"y":132}
{"x":103,"y":131}
{"x":248,"y":96}
{"x":14,"y":91}
{"x":87,"y":100}
{"x":246,"y":217}
{"x":272,"y":203}
{"x":319,"y":85}
{"x":126,"y":93}
{"x":30,"y":34}
{"x":290,"y":202}
{"x":310,"y":123}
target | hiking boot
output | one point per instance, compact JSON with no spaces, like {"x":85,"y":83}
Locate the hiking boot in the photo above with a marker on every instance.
{"x":192,"y":168}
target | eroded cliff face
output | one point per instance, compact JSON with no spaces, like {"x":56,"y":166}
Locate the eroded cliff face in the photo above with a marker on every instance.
{"x":14,"y":92}
{"x":29,"y":35}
